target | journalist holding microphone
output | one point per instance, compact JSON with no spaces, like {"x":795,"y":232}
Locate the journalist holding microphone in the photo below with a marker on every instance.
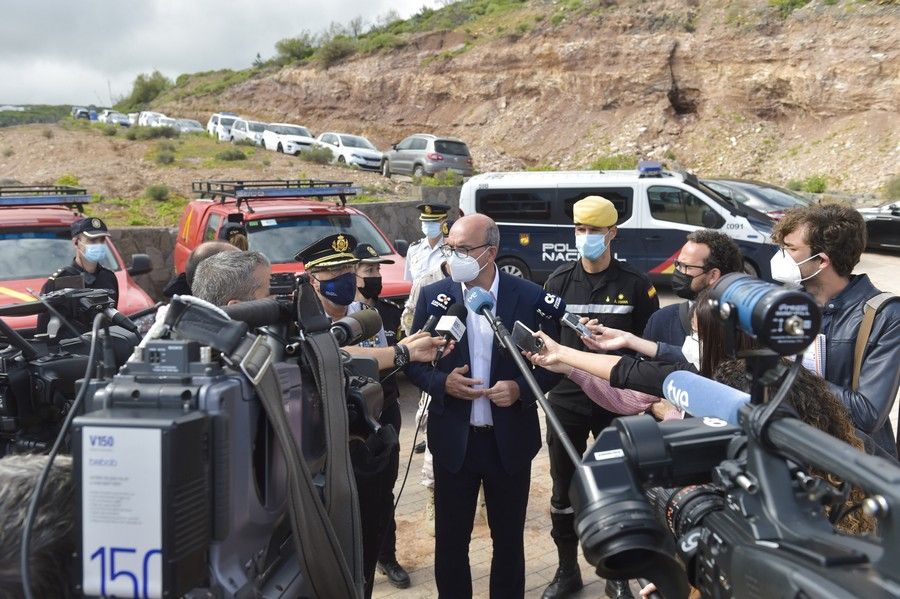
{"x":482,"y":422}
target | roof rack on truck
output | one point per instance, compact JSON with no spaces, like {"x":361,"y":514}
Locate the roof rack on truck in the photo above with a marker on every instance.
{"x":285,"y":189}
{"x":43,"y":195}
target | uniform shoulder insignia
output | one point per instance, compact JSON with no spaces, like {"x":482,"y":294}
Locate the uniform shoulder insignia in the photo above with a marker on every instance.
{"x":416,"y":242}
{"x":58,"y":273}
{"x":651,"y":291}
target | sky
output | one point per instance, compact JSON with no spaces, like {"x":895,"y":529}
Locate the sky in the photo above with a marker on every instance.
{"x":76,"y":52}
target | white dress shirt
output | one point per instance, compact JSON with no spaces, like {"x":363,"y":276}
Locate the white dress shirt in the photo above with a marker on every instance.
{"x":422,"y":258}
{"x":481,"y":345}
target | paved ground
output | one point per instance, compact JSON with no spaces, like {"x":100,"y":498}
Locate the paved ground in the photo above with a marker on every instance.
{"x":415,"y":547}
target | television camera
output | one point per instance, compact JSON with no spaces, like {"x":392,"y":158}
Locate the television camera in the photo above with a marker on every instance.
{"x":216,"y":461}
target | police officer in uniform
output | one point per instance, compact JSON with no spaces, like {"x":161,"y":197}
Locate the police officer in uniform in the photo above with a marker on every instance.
{"x":89,"y":238}
{"x":597,"y":286}
{"x":424,"y":255}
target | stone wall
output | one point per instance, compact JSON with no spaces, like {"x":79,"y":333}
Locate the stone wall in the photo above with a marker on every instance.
{"x":398,"y":220}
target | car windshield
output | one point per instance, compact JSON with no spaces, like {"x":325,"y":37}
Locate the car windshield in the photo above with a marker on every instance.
{"x":354,"y":141}
{"x":281,"y":238}
{"x":776,"y":197}
{"x":36,"y":254}
{"x":290,"y":130}
{"x":454,"y":148}
{"x":189,"y":123}
{"x":227,"y":121}
{"x":256,"y":127}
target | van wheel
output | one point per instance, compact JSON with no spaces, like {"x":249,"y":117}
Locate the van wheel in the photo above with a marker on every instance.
{"x":280,"y":149}
{"x":514,"y":267}
{"x":751,"y":269}
{"x":418,"y":171}
{"x":341,"y":160}
{"x":386,"y":169}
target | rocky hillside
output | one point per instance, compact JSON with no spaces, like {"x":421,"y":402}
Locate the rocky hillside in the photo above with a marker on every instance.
{"x":744,"y":88}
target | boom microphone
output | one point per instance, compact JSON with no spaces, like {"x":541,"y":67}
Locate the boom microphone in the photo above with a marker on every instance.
{"x":700,"y":396}
{"x":355,"y":327}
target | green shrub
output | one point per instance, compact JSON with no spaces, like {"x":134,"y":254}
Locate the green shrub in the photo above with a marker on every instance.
{"x":69,"y":180}
{"x":7,"y":152}
{"x":230,"y":155}
{"x":157,"y":193}
{"x":144,"y":90}
{"x":246,"y":142}
{"x":541,"y":167}
{"x":441,"y":179}
{"x":813,"y":184}
{"x":786,"y":7}
{"x":142,"y":133}
{"x":317,"y":155}
{"x":164,"y":157}
{"x":557,"y":19}
{"x":379,"y":41}
{"x":614,"y":162}
{"x":48,"y":133}
{"x":892,"y":188}
{"x":166,"y":146}
{"x":295,"y":49}
{"x":110,"y":130}
{"x":523,"y":28}
{"x":335,"y":50}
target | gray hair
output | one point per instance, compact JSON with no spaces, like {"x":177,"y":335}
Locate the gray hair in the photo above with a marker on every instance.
{"x":492,"y":237}
{"x":227,"y":276}
{"x":52,"y":538}
{"x":201,"y":253}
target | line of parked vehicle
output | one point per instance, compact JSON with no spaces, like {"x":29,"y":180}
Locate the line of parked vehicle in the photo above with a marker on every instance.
{"x":417,"y":155}
{"x":142,"y":119}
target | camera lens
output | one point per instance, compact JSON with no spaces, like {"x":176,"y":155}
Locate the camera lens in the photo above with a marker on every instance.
{"x":683,"y":509}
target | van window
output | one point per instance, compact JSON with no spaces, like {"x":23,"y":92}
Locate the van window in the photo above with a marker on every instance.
{"x":678,"y":206}
{"x":212,"y":227}
{"x":516,"y":205}
{"x":418,"y":143}
{"x":621,"y":197}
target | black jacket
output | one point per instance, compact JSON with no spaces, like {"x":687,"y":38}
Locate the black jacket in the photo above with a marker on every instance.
{"x":623,"y":298}
{"x":870,"y":405}
{"x":102,"y":278}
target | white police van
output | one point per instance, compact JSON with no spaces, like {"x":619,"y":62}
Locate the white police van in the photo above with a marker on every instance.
{"x":657,"y":209}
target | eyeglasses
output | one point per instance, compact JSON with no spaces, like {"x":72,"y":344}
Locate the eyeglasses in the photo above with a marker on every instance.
{"x":683,"y":267}
{"x":459,"y":252}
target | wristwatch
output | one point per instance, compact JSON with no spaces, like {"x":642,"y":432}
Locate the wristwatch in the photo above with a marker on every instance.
{"x":401,"y":355}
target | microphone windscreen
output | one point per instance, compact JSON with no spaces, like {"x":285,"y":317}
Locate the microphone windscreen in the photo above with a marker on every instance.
{"x":257,"y":313}
{"x":369,"y":321}
{"x":459,"y":311}
{"x":700,"y":396}
{"x":551,"y":307}
{"x":478,"y":300}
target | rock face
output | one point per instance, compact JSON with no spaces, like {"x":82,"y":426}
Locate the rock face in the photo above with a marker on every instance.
{"x":719,"y":87}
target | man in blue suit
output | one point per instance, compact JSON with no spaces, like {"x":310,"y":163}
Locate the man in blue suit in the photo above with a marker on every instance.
{"x":482,"y":422}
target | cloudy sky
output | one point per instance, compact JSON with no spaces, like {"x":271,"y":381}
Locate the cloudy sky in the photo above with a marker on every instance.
{"x":73,"y":52}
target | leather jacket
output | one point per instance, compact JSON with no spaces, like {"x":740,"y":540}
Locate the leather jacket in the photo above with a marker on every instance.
{"x":871,"y":404}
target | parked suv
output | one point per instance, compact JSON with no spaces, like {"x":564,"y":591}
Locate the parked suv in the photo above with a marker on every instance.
{"x":423,"y":154}
{"x":219,"y":125}
{"x":287,"y":138}
{"x":250,"y":130}
{"x":35,"y":241}
{"x":282,"y":218}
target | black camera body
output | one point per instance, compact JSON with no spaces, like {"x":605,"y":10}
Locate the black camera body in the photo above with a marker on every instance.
{"x":737,"y":511}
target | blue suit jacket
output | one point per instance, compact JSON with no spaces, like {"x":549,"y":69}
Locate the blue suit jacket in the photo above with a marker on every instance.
{"x":516,"y":428}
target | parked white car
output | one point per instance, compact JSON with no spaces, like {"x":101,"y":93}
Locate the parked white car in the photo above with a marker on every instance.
{"x":219,"y":125}
{"x":287,"y":138}
{"x":251,"y":130}
{"x":351,"y":149}
{"x":189,"y":126}
{"x":133,"y":118}
{"x":113,"y":117}
{"x":147,"y":118}
{"x":165,"y":122}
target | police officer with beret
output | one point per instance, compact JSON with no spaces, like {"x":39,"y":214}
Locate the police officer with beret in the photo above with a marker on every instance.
{"x":618,"y":295}
{"x":424,"y":255}
{"x":89,"y":238}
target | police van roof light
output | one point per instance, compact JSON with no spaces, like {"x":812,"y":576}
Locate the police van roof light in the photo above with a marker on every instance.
{"x":649,"y":168}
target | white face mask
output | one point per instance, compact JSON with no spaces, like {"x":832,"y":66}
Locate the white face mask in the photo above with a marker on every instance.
{"x":691,"y":350}
{"x":786,"y":271}
{"x":431,"y":229}
{"x":463,"y":270}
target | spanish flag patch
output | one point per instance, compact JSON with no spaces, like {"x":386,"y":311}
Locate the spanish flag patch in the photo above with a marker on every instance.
{"x":651,"y":291}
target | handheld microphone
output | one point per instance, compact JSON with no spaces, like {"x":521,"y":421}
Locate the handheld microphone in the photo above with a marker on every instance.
{"x":451,"y":326}
{"x":551,"y":307}
{"x":437,"y":308}
{"x":259,"y":313}
{"x":355,"y":327}
{"x":700,"y":396}
{"x":479,"y":301}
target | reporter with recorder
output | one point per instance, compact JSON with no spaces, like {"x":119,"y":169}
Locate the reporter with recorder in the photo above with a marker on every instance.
{"x":482,"y":422}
